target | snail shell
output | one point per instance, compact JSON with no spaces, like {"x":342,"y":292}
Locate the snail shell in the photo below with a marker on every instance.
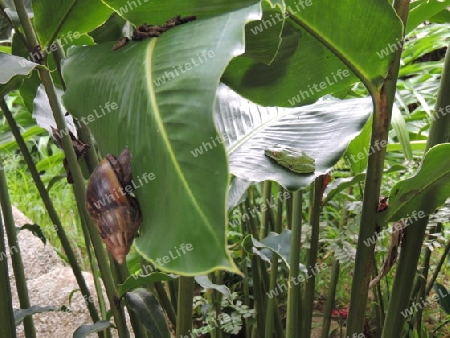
{"x":115,"y":213}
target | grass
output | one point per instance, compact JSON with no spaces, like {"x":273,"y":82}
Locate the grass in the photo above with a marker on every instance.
{"x":25,"y":197}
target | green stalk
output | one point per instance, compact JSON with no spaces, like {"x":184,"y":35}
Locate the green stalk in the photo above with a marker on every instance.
{"x":184,"y":308}
{"x":7,"y":324}
{"x":78,"y":186}
{"x":415,"y":233}
{"x":438,"y":268}
{"x":314,"y":219}
{"x":267,"y":186}
{"x":421,"y":280}
{"x":164,"y":300}
{"x":245,"y":283}
{"x":258,"y":296}
{"x":294,"y":261}
{"x":334,"y":280}
{"x":16,"y":258}
{"x":383,"y":101}
{"x":71,"y":257}
{"x":271,"y":302}
{"x":138,"y":328}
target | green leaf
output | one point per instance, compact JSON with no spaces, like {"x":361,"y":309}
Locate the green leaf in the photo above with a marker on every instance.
{"x":138,"y":281}
{"x":20,"y":314}
{"x":341,"y":184}
{"x":423,"y":10}
{"x":358,"y":149}
{"x":443,"y":298}
{"x":237,"y":191}
{"x":325,"y":59}
{"x":277,"y":243}
{"x":399,"y":125}
{"x":149,"y":312}
{"x":421,"y":194}
{"x":323,"y":130}
{"x":84,"y":330}
{"x":83,"y":17}
{"x":205,"y":283}
{"x":14,"y":69}
{"x":140,"y":11}
{"x":163,"y":114}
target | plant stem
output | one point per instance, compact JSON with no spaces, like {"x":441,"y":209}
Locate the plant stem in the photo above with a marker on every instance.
{"x":164,"y":300}
{"x":71,"y":257}
{"x":334,"y":280}
{"x":79,"y":188}
{"x":184,"y":308}
{"x":294,"y":261}
{"x":7,"y":326}
{"x":265,"y":215}
{"x":415,"y":233}
{"x":314,"y":219}
{"x":16,"y":258}
{"x":438,"y":268}
{"x":271,"y":302}
{"x":383,"y":102}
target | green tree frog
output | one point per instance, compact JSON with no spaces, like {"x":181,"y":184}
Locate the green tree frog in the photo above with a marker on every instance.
{"x":295,"y":160}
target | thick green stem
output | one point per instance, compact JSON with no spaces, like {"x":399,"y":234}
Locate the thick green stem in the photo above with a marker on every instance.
{"x":265,"y":215}
{"x":415,"y":233}
{"x":184,"y":308}
{"x":7,"y":326}
{"x":383,"y":101}
{"x":438,"y":268}
{"x":271,"y":302}
{"x":314,"y":218}
{"x":294,"y":261}
{"x":16,"y":258}
{"x":164,"y":300}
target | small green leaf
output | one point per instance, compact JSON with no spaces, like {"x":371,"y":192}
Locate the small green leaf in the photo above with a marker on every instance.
{"x":14,"y":69}
{"x":421,"y":194}
{"x":443,"y":297}
{"x":20,"y":314}
{"x":205,"y":283}
{"x":84,"y":330}
{"x":148,"y":310}
{"x":137,"y":281}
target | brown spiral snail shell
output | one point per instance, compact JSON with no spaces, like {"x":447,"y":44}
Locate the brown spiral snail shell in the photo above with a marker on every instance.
{"x":115,"y":213}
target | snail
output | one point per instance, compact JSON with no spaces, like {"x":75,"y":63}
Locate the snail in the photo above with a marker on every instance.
{"x":115,"y":213}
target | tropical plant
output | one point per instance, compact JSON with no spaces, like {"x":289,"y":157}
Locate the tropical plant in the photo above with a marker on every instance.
{"x":200,"y":98}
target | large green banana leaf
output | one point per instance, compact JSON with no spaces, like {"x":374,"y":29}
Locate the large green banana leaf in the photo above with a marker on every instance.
{"x":157,"y":97}
{"x":323,"y":130}
{"x":338,"y":42}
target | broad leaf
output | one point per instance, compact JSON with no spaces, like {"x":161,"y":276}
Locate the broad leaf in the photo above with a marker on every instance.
{"x":157,"y":97}
{"x":421,"y":194}
{"x":339,"y":41}
{"x":157,"y":13}
{"x":148,"y":310}
{"x":83,"y":16}
{"x":322,"y":130}
{"x":423,"y":10}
